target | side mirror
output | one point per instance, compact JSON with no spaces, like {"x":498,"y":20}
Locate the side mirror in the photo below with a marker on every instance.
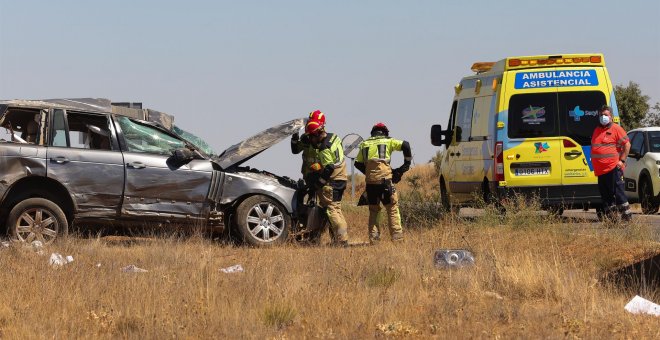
{"x":439,"y":136}
{"x":182,"y":156}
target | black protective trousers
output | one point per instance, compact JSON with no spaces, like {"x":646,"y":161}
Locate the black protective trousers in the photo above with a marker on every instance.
{"x":612,"y":192}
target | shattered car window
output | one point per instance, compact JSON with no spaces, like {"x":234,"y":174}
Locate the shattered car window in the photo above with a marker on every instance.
{"x":146,"y":139}
{"x":87,"y":131}
{"x":22,"y":126}
{"x":196,"y":141}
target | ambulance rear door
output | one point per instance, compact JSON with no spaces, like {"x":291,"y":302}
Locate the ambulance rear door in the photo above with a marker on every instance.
{"x":578,"y":111}
{"x":532,"y":146}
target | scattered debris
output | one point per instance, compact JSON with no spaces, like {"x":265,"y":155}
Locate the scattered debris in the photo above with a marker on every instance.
{"x":57,"y":260}
{"x":5,"y":244}
{"x":98,"y":265}
{"x":453,"y":258}
{"x":640,"y":305}
{"x":133,"y":269}
{"x":493,"y":295}
{"x":233,"y":269}
{"x":37,"y":247}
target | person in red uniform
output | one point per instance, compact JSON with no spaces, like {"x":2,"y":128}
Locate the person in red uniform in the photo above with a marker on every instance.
{"x":609,"y":150}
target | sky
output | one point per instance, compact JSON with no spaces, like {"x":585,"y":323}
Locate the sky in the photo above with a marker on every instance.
{"x":229,"y":69}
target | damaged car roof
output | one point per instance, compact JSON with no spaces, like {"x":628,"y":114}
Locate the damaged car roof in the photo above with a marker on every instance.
{"x":239,"y":153}
{"x":235,"y":155}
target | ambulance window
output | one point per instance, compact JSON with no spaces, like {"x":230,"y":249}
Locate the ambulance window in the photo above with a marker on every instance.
{"x":578,"y":114}
{"x":452,"y":116}
{"x":481,"y":118}
{"x":464,"y":119}
{"x":533,"y":115}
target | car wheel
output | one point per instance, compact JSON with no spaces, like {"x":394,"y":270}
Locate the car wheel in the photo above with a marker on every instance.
{"x":37,"y":219}
{"x":646,"y":198}
{"x":262,"y":221}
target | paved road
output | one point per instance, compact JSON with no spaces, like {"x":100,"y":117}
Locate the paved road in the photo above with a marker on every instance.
{"x":588,"y":219}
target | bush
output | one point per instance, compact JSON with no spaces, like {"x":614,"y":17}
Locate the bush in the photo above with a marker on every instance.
{"x":277,"y":315}
{"x":418,"y":209}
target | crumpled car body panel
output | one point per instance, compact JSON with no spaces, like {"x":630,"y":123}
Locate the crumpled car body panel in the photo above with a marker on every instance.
{"x":241,"y":183}
{"x":239,"y":153}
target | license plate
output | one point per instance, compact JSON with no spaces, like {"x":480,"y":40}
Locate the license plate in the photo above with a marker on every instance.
{"x":532,"y":171}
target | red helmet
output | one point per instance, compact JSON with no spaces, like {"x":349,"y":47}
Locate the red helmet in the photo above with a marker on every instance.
{"x":313,"y":127}
{"x":380,"y":128}
{"x":317,"y":116}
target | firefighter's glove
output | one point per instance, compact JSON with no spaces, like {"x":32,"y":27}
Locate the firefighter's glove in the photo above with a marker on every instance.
{"x":396,"y":175}
{"x":305,"y":138}
{"x":314,"y":176}
{"x":295,"y":137}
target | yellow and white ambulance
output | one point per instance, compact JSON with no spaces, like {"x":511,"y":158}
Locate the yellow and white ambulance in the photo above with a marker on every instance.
{"x":524,"y":124}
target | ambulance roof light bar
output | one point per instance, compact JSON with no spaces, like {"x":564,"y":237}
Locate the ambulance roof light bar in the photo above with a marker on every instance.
{"x":554,"y":60}
{"x":480,"y":67}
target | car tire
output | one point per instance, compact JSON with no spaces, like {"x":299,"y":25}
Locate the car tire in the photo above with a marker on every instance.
{"x":262,"y":221}
{"x":649,"y":206}
{"x":37,"y":219}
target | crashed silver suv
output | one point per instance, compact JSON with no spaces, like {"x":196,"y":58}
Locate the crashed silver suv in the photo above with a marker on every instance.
{"x":79,"y":161}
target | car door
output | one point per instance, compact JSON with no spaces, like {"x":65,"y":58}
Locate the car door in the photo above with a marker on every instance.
{"x":155,"y":187}
{"x":83,"y":155}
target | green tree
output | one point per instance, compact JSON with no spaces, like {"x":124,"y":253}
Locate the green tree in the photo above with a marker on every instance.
{"x":633,"y":105}
{"x":652,"y":117}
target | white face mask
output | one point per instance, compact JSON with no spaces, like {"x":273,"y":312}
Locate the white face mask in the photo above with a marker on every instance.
{"x":604,"y":120}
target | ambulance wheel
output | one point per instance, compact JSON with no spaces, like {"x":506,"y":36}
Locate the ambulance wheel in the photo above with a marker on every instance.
{"x":649,"y":206}
{"x":556,"y":210}
{"x":445,"y":201}
{"x":261,"y":221}
{"x":600,"y":214}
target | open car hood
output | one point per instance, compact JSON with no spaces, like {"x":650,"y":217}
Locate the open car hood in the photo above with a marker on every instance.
{"x":239,"y":153}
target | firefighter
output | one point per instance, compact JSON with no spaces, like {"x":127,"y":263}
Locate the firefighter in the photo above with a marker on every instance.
{"x":374,"y":161}
{"x":301,"y":144}
{"x":331,"y":180}
{"x":609,"y":150}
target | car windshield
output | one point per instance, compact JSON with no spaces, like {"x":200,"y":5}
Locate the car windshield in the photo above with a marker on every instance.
{"x":196,"y":141}
{"x":654,"y":141}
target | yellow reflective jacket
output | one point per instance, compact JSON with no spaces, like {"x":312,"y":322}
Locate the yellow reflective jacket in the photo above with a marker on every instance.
{"x":376,"y":154}
{"x":331,"y":156}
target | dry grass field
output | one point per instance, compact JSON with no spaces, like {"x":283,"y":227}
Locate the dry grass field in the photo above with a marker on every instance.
{"x":535,"y":277}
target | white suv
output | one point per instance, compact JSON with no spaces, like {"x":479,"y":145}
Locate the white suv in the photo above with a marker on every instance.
{"x":642,"y":173}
